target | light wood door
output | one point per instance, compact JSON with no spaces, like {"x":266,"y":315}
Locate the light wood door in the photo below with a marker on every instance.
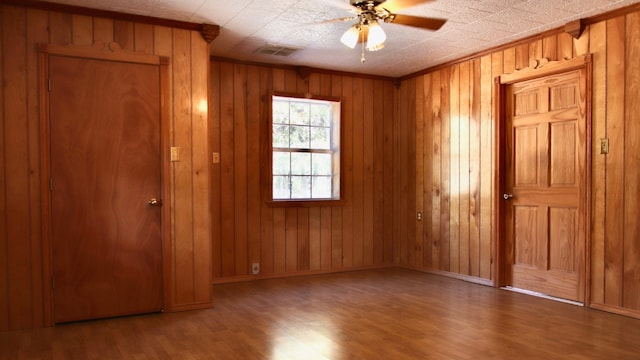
{"x":545,"y":218}
{"x":105,"y":167}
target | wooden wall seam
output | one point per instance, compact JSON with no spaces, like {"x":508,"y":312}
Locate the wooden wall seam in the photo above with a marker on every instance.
{"x":4,"y":245}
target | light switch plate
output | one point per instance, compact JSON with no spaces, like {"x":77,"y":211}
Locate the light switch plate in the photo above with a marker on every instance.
{"x":604,"y":146}
{"x":175,"y":154}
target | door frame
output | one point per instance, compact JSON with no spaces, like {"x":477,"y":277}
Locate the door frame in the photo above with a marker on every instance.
{"x":537,"y":69}
{"x":104,"y":52}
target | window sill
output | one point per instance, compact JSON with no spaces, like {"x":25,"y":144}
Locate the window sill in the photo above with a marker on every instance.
{"x":304,"y":203}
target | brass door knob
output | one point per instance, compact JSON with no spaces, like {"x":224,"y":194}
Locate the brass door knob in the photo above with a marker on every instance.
{"x":154,"y":202}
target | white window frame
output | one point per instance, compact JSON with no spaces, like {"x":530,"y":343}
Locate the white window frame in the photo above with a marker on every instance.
{"x":336,"y":136}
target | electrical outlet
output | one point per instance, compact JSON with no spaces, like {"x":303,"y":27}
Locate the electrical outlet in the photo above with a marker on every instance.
{"x":255,"y":268}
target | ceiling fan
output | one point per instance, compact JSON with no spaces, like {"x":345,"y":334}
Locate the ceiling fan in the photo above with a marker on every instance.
{"x":369,"y":13}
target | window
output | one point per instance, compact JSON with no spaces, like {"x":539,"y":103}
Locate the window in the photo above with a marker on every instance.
{"x":305,"y":149}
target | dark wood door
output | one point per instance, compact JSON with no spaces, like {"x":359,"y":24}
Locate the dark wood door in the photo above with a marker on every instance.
{"x":546,"y":145}
{"x":105,"y":167}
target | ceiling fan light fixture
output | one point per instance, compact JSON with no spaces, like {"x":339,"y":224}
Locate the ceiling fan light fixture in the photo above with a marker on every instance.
{"x":351,"y":36}
{"x":375,"y":48}
{"x":376,"y":37}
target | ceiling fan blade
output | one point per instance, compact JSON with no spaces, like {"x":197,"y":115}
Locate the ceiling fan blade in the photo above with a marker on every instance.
{"x":332,"y":21}
{"x":395,"y":5}
{"x":419,"y":22}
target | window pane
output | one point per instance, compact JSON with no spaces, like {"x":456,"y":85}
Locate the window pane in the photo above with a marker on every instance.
{"x":300,"y":137}
{"x":301,"y":163}
{"x":320,"y":114}
{"x":305,"y":149}
{"x":299,"y":113}
{"x":280,"y":112}
{"x":321,"y":164}
{"x":281,"y":187}
{"x":322,"y":187}
{"x":320,"y":138}
{"x":281,"y":163}
{"x":301,"y":187}
{"x":280,"y":136}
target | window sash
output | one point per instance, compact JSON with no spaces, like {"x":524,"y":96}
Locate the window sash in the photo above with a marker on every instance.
{"x":285,"y":176}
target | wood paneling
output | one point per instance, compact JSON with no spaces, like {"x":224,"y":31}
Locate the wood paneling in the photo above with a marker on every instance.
{"x":386,"y":164}
{"x":297,"y":240}
{"x":598,"y":42}
{"x":614,"y":162}
{"x":463,"y":137}
{"x":16,"y":160}
{"x":22,"y":303}
{"x":631,"y":248}
{"x":484,"y":202}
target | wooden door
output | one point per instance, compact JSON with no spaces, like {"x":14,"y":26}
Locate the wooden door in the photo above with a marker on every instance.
{"x":546,"y":175}
{"x":105,"y":167}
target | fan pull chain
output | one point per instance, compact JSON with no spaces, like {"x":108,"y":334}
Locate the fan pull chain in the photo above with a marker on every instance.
{"x":362,"y":59}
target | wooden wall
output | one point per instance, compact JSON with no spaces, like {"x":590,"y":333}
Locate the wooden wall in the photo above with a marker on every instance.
{"x":298,"y":240}
{"x":445,"y":119}
{"x":21,"y":247}
{"x":424,"y":147}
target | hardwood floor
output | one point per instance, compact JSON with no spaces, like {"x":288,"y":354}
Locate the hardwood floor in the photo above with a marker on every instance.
{"x":377,"y":314}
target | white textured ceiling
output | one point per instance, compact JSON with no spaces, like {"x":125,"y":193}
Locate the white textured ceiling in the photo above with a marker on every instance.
{"x":473,"y":25}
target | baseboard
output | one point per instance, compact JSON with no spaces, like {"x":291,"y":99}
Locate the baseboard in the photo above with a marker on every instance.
{"x":541,"y":295}
{"x":467,"y":278}
{"x":189,"y":307}
{"x":616,"y":310}
{"x":245,"y":278}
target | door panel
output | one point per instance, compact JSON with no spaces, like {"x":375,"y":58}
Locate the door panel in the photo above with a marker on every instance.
{"x":563,"y":154}
{"x":546,"y":130}
{"x":526,"y":219}
{"x":526,"y":147}
{"x":105,"y":167}
{"x":562,"y":224}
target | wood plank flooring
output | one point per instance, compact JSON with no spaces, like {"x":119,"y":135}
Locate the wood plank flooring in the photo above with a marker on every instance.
{"x":373,"y":314}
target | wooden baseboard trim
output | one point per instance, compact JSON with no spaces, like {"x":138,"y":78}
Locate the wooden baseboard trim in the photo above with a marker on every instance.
{"x":467,"y":278}
{"x":616,"y":310}
{"x":246,"y":278}
{"x":189,"y":307}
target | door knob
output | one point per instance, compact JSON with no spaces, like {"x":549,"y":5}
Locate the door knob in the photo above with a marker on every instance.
{"x":507,"y":196}
{"x":154,"y":202}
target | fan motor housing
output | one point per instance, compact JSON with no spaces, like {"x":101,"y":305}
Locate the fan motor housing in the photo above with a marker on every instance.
{"x":363,"y":4}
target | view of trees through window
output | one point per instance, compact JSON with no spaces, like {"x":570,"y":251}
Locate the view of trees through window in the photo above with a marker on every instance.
{"x":304,"y":148}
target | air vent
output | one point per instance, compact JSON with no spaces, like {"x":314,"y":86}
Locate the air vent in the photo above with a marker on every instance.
{"x":278,"y":50}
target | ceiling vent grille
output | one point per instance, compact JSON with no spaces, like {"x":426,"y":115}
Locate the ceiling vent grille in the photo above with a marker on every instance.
{"x":278,"y":50}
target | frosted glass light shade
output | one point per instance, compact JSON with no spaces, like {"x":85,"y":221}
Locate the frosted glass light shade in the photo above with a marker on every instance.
{"x":350,"y":37}
{"x":376,"y":38}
